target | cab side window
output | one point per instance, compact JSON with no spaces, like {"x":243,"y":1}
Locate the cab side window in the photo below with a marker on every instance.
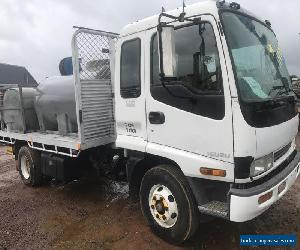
{"x":198,"y":88}
{"x":130,"y":83}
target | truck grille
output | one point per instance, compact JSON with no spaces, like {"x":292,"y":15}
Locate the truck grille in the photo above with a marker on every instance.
{"x":281,"y":152}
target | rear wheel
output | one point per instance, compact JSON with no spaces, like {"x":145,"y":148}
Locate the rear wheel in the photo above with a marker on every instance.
{"x":168,"y":204}
{"x":29,"y":164}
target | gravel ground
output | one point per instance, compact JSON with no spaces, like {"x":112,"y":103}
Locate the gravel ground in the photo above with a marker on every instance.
{"x":98,"y":215}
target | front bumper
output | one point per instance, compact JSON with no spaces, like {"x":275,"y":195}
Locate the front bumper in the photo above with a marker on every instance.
{"x":244,"y":203}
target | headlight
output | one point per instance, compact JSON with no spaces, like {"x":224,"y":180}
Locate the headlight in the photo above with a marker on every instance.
{"x":261,"y":165}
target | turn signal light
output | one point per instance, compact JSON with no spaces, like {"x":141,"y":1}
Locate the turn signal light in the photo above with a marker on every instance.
{"x":262,"y":199}
{"x":213,"y":172}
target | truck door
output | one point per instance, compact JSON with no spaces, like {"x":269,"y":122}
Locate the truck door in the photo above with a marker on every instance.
{"x":193,"y":113}
{"x":130,"y":102}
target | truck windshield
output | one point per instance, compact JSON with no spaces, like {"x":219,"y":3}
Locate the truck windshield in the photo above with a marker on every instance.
{"x":258,"y":63}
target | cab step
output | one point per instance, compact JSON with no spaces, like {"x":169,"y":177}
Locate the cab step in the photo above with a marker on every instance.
{"x":215,"y":208}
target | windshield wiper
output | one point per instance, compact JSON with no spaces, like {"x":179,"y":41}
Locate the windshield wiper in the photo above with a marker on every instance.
{"x":282,"y":88}
{"x":283,"y":91}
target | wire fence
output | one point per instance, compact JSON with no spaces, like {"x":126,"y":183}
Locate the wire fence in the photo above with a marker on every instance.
{"x":93,"y":55}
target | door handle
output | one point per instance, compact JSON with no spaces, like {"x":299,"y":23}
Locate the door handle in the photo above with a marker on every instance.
{"x":157,"y":118}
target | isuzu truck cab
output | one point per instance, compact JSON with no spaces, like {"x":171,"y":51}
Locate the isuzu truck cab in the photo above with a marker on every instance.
{"x":203,"y":116}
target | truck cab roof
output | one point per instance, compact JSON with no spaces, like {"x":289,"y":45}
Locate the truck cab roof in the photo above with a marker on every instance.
{"x":208,"y":7}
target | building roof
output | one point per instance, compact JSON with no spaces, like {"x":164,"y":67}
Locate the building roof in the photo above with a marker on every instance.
{"x":12,"y":74}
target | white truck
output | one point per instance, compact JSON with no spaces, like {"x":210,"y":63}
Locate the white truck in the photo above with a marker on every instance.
{"x":193,"y":106}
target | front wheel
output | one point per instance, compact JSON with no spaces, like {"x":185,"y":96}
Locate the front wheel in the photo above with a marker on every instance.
{"x":168,"y":204}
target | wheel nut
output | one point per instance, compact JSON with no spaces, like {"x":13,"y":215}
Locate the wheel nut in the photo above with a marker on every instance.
{"x":157,"y":216}
{"x":164,"y":217}
{"x":173,"y":215}
{"x":152,"y":206}
{"x":171,"y":198}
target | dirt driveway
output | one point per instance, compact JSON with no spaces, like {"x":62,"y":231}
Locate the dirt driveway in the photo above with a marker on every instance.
{"x":99,"y":215}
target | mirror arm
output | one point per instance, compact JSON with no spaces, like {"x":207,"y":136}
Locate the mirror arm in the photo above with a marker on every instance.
{"x":161,"y":15}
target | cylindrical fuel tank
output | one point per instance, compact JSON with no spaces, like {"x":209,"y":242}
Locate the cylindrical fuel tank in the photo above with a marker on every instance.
{"x":12,"y":115}
{"x":55,"y":104}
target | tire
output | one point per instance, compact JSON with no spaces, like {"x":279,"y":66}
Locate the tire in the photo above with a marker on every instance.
{"x":29,"y":163}
{"x":168,"y":204}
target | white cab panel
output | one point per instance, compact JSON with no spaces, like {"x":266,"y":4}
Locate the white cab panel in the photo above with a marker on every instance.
{"x":130,"y":112}
{"x":273,"y":138}
{"x":244,"y":135}
{"x":191,"y":163}
{"x":259,"y":142}
{"x":187,"y":131}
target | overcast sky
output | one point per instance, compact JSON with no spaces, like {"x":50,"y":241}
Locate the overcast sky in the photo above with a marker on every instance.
{"x":37,"y":33}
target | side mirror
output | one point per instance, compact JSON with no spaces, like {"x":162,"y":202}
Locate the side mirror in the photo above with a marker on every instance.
{"x":167,"y":55}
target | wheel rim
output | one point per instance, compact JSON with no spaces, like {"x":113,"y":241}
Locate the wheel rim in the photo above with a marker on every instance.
{"x":25,"y":167}
{"x":163,"y":206}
